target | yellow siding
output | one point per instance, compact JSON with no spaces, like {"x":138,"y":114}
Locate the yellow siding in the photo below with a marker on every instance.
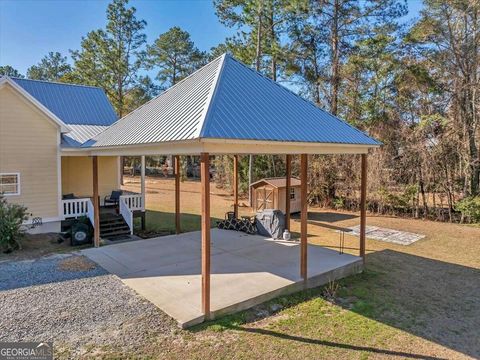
{"x":29,"y":145}
{"x":77,"y":175}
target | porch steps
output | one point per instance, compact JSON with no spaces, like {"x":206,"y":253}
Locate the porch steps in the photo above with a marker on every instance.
{"x":113,"y":226}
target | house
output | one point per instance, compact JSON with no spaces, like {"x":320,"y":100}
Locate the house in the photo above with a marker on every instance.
{"x":270,"y":193}
{"x":42,"y":124}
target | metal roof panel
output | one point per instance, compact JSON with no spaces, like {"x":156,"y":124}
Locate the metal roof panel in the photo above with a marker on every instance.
{"x":79,"y":134}
{"x":73,"y":104}
{"x":176,"y":114}
{"x":249,"y":106}
{"x":225,"y":99}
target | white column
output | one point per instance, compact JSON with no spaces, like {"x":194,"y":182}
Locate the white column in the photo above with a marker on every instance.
{"x":142,"y":181}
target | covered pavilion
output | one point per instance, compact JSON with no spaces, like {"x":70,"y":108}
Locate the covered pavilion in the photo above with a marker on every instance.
{"x":226,"y":108}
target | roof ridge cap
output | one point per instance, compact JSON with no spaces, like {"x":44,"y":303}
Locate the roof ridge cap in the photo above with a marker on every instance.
{"x":211,"y":95}
{"x":57,"y":83}
{"x":163,"y":93}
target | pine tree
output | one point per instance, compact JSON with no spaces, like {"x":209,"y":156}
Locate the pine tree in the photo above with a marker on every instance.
{"x":111,"y":57}
{"x":175,"y":55}
{"x":10,"y":71}
{"x":52,"y":67}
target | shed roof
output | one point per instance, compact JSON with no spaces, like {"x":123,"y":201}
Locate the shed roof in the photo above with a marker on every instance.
{"x":227,"y":100}
{"x":279,"y":182}
{"x":73,"y":104}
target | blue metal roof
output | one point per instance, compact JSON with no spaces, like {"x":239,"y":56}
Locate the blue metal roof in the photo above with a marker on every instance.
{"x":227,"y":100}
{"x":73,"y":104}
{"x":247,"y":105}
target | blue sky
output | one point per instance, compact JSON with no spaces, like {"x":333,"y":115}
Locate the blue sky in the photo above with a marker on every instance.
{"x":29,"y":29}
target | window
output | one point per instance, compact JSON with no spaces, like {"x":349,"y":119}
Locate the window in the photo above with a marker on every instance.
{"x":292,"y":193}
{"x":10,"y":184}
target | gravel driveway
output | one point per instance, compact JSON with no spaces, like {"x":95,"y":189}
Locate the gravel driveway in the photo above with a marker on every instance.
{"x":72,"y":301}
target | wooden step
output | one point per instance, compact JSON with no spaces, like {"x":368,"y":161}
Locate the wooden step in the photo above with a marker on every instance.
{"x":115,"y":233}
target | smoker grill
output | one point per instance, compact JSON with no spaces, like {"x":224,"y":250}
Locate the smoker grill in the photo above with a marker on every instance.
{"x":270,"y":223}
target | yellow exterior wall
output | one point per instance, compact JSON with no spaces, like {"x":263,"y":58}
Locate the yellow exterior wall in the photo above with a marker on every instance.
{"x":77,"y":173}
{"x":29,"y":146}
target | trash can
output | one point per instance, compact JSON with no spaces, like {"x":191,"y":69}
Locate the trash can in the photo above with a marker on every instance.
{"x":270,"y":223}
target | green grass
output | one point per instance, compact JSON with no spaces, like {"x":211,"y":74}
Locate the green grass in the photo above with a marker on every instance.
{"x":417,"y":301}
{"x":164,"y":222}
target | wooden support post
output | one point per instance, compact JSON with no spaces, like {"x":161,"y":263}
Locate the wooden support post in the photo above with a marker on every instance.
{"x":288,"y":175}
{"x":142,"y":187}
{"x":177,"y":194}
{"x":235,"y":185}
{"x":304,"y":215}
{"x":122,"y":164}
{"x":205,"y":184}
{"x":96,"y":203}
{"x":363,"y":207}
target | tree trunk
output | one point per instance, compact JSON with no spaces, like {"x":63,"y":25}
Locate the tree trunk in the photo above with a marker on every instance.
{"x":257,"y":67}
{"x":335,"y":59}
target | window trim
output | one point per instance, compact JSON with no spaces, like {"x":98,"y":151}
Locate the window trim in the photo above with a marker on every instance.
{"x":18,"y":183}
{"x":292,"y":192}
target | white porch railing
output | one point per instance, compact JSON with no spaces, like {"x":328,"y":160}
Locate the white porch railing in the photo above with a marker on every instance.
{"x":91,"y":213}
{"x":73,"y":208}
{"x":128,"y":203}
{"x":133,"y":201}
{"x":126,"y":213}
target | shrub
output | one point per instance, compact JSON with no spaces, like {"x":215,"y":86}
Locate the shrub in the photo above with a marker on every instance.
{"x":330,"y":290}
{"x":470,"y":208}
{"x":11,"y":230}
{"x":338,"y":203}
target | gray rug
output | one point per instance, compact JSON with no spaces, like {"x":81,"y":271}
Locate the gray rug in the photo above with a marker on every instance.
{"x":387,"y":235}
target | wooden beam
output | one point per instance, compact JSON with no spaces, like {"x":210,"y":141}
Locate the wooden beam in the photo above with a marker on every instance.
{"x":363,"y":207}
{"x":96,"y":203}
{"x":122,"y":164}
{"x":205,"y":184}
{"x":177,"y":194}
{"x":304,"y":215}
{"x":235,"y":185}
{"x":288,"y":175}
{"x":142,"y":189}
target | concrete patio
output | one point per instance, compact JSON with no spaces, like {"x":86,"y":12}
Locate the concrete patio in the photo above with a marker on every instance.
{"x":246,"y":270}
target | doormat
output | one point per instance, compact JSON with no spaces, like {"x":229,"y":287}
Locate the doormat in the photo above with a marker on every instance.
{"x":387,"y":235}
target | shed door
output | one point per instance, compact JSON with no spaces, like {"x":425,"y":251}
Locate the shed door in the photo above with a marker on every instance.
{"x":264,"y":198}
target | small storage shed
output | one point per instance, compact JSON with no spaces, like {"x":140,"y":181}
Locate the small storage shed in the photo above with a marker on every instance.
{"x":270,"y":194}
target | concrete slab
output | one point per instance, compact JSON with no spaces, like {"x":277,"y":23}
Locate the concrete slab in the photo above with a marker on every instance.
{"x":246,"y":270}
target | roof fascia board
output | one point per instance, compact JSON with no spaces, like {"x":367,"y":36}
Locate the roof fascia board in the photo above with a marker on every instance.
{"x":282,"y":148}
{"x":211,"y":96}
{"x":185,"y":147}
{"x":63,"y":127}
{"x":196,"y":147}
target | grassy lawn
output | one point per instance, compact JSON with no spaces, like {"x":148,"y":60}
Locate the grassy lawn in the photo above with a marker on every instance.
{"x":420,"y":301}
